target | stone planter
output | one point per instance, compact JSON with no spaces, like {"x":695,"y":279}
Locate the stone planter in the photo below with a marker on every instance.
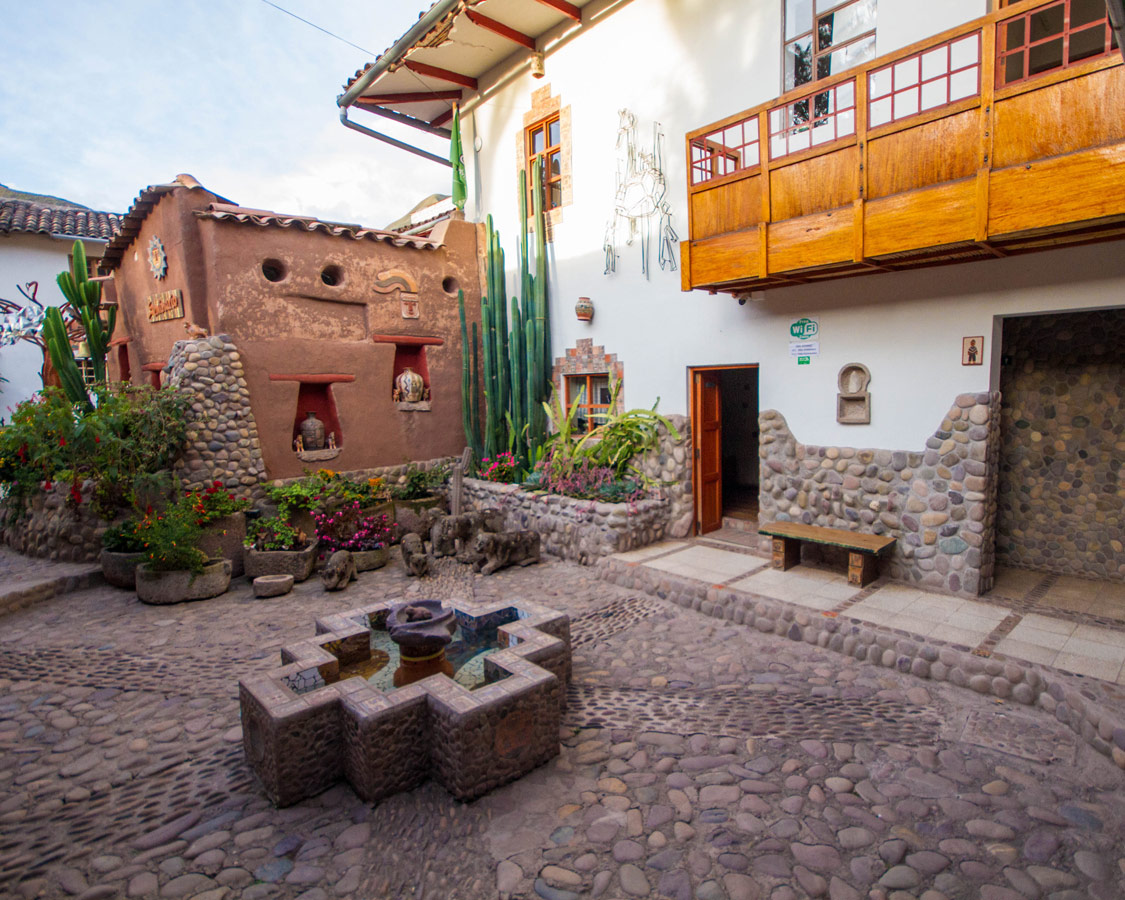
{"x":160,"y":588}
{"x":366,"y":560}
{"x":120,"y":569}
{"x":298,"y":563}
{"x":222,"y":539}
{"x":408,"y":513}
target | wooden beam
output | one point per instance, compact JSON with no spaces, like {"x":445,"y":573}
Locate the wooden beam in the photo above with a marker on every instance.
{"x":567,"y":9}
{"x":442,"y":119}
{"x":500,"y":28}
{"x":443,"y":74}
{"x":418,"y":97}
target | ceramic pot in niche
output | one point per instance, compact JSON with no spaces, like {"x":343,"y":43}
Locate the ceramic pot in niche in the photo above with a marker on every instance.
{"x":410,"y":385}
{"x":312,"y":432}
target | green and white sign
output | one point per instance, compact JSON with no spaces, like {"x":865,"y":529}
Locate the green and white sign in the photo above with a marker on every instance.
{"x":804,"y":329}
{"x":804,"y":360}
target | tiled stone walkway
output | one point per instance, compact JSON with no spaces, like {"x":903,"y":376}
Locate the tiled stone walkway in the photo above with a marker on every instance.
{"x":702,"y":760}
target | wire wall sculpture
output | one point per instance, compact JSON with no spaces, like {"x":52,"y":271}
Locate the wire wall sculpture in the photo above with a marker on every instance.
{"x":25,"y":323}
{"x":640,"y":197}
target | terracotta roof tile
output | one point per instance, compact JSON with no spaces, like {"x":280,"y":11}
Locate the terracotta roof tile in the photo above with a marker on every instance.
{"x":24,"y":216}
{"x":264,"y":219}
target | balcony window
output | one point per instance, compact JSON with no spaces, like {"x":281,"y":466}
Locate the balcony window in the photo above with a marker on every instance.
{"x":1052,"y":37}
{"x":928,"y":80}
{"x":819,"y":118}
{"x":725,"y":151}
{"x":823,"y":37}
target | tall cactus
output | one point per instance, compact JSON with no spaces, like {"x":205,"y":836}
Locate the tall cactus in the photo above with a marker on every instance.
{"x":57,"y":342}
{"x":516,"y":353}
{"x":86,"y":298}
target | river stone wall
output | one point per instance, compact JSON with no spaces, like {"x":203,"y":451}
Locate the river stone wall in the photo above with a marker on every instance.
{"x":1062,"y":498}
{"x":223,"y":440}
{"x":586,"y":530}
{"x":55,"y":527}
{"x":939,"y":502}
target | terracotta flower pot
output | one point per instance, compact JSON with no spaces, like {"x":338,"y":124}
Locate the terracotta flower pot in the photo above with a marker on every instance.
{"x":222,"y":539}
{"x":160,"y":588}
{"x":120,"y":569}
{"x":298,"y":563}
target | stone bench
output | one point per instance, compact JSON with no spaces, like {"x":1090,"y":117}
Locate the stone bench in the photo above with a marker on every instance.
{"x":863,"y":549}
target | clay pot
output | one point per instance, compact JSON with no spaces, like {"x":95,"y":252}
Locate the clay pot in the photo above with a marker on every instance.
{"x":584,"y":309}
{"x":298,"y":563}
{"x":120,"y":569}
{"x":312,"y":431}
{"x":161,"y":588}
{"x":410,"y":385}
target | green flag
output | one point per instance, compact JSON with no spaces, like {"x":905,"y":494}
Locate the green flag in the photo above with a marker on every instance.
{"x":457,"y":160}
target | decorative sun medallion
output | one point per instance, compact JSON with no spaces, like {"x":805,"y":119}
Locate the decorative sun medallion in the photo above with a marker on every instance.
{"x":157,"y":258}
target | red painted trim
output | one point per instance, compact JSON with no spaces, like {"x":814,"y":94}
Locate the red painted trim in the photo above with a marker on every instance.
{"x":154,"y":366}
{"x":407,"y":340}
{"x":443,"y":74}
{"x":117,"y":342}
{"x":312,"y":379}
{"x":417,"y":97}
{"x":500,"y":28}
{"x":567,"y":9}
{"x":442,"y":119}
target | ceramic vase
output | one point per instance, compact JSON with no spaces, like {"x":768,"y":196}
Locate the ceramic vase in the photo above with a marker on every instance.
{"x":410,"y":385}
{"x":584,"y":309}
{"x":312,"y":432}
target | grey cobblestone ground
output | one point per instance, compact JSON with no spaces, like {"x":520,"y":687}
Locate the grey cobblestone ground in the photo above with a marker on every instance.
{"x":701,"y":760}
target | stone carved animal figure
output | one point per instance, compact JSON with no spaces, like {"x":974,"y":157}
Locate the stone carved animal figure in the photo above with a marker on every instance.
{"x":447,"y":531}
{"x":194,"y":331}
{"x":414,"y":556}
{"x":494,"y":551}
{"x":339,"y":571}
{"x":419,"y":523}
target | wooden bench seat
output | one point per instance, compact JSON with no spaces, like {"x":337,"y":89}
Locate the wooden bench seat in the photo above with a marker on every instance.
{"x":863,"y":549}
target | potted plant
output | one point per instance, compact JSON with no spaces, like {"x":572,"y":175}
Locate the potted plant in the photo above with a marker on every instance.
{"x":175,"y":569}
{"x":221,"y":516}
{"x":500,"y":468}
{"x":275,"y":547}
{"x":122,"y":551}
{"x":416,"y":494}
{"x":350,"y":528}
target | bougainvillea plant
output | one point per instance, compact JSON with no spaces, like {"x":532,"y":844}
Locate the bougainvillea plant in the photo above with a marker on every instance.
{"x":501,"y":468}
{"x":348,"y":528}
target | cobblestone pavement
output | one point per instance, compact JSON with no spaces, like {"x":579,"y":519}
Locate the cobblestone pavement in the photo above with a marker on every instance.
{"x":701,"y":759}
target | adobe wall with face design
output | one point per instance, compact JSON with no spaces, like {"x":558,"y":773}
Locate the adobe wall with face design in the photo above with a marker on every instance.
{"x":302,"y":337}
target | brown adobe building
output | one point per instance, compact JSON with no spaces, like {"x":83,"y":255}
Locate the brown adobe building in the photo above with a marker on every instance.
{"x":324,"y":316}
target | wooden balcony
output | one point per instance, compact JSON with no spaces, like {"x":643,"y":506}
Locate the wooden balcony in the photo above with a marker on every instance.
{"x":965,"y":146}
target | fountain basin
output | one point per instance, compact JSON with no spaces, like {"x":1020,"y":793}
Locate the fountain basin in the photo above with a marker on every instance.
{"x":321,"y":717}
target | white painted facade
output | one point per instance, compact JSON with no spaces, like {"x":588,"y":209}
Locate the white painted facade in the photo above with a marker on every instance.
{"x":684,"y":64}
{"x":24,"y":258}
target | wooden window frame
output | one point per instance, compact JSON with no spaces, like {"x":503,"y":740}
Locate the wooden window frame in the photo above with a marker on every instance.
{"x":1005,"y":53}
{"x":586,"y":380}
{"x":817,"y":55}
{"x":918,"y":85}
{"x":530,"y":155}
{"x":785,"y":122}
{"x":711,"y":151}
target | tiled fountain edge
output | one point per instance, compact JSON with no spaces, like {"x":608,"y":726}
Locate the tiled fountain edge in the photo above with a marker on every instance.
{"x":1028,"y":684}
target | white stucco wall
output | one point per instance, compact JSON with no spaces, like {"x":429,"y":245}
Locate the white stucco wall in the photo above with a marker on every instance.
{"x":24,"y":258}
{"x":686,"y":63}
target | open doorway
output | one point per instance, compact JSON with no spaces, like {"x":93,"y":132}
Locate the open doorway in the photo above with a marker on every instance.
{"x":724,"y":424}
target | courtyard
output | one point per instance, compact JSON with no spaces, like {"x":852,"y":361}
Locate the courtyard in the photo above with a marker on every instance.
{"x":700,"y":758}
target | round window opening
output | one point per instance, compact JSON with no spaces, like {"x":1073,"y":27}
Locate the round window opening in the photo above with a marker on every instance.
{"x":273,"y":270}
{"x":450,"y":285}
{"x":333,"y":276}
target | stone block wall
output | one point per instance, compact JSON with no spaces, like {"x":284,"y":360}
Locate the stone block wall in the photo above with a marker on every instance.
{"x":1062,"y":497}
{"x":223,"y":442}
{"x":938,"y":502}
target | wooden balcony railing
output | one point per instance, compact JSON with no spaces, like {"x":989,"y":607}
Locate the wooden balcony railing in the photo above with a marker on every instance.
{"x":1004,"y":135}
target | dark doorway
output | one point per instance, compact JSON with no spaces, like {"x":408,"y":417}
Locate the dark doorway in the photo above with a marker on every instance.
{"x":725,"y":434}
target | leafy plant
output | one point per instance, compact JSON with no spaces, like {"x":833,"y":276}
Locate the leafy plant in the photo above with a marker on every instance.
{"x":325,"y":489}
{"x":125,"y":445}
{"x":170,"y":540}
{"x":419,"y":482}
{"x":349,"y":529}
{"x":214,"y":503}
{"x":274,"y":533}
{"x":123,"y":537}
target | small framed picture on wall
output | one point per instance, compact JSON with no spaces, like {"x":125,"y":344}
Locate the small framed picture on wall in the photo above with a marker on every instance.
{"x":972,"y":351}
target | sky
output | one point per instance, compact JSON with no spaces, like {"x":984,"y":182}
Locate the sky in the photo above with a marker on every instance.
{"x":100,"y":99}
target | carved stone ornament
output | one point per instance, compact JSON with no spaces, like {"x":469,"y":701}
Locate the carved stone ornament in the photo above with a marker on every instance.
{"x":853,"y":403}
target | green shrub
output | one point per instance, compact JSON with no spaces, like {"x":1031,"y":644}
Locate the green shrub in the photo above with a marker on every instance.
{"x":274,"y":533}
{"x":170,"y":539}
{"x":325,"y":489}
{"x":123,"y":537}
{"x":419,"y":482}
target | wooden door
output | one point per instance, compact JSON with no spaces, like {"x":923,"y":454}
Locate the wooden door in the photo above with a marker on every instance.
{"x":708,"y":415}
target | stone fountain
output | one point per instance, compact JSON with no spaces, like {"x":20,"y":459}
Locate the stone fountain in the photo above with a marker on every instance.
{"x":422,"y":629}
